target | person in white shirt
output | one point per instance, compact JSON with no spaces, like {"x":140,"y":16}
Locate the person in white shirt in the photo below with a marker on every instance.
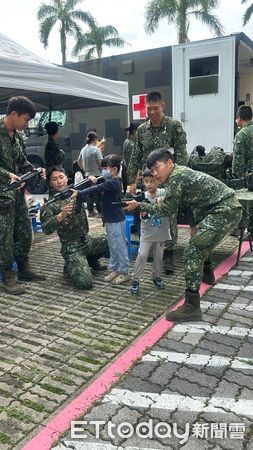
{"x":90,"y":161}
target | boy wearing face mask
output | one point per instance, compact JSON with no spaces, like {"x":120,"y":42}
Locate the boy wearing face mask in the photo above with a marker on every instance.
{"x":114,"y":219}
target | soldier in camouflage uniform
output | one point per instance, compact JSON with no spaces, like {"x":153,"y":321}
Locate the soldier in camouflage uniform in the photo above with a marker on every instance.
{"x":243,"y":151}
{"x":243,"y":143}
{"x":15,"y":225}
{"x":128,"y":145}
{"x":159,"y":131}
{"x":80,"y":250}
{"x":215,"y":212}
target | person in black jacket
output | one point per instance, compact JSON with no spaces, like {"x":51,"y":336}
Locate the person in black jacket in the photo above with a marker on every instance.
{"x":114,"y":218}
{"x":54,"y":156}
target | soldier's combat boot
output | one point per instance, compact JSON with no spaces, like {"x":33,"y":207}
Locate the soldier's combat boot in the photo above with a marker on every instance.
{"x":168,"y":263}
{"x":25,"y":273}
{"x":10,"y":283}
{"x":208,"y":274}
{"x":190,"y":310}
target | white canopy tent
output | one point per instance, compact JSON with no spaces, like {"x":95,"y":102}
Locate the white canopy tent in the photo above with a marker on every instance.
{"x":50,"y":86}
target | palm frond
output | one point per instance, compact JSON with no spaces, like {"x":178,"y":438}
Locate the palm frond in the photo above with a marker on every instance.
{"x":157,"y":10}
{"x":115,"y":42}
{"x":84,"y":41}
{"x":109,"y":30}
{"x":247,"y":15}
{"x":83,"y":16}
{"x":45,"y":29}
{"x":89,"y":53}
{"x":206,"y":4}
{"x":71,"y":4}
{"x":211,"y":21}
{"x":73,"y":29}
{"x":45,"y":11}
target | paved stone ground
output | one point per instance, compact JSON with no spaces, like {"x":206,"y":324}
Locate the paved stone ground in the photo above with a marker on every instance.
{"x":199,"y":376}
{"x":55,"y":338}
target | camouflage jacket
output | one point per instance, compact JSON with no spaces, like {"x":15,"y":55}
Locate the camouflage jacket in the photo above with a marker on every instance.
{"x":12,"y":157}
{"x":194,"y":191}
{"x":169,"y":135}
{"x":243,"y":151}
{"x":72,"y":229}
{"x":128,"y":148}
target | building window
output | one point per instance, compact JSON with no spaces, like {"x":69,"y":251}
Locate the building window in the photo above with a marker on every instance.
{"x":204,"y":75}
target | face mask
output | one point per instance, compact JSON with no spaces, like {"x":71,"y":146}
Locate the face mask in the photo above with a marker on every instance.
{"x":106,"y":174}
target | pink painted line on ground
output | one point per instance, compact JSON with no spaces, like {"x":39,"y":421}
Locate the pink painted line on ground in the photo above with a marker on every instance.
{"x":79,"y":406}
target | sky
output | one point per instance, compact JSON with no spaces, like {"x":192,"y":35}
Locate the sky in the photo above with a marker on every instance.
{"x":19,"y":22}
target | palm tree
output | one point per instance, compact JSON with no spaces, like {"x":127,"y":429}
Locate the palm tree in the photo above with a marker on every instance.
{"x":62,"y":11}
{"x":248,"y":13}
{"x":180,"y":12}
{"x":96,"y":38}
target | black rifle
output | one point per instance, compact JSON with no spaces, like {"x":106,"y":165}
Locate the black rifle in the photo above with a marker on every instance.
{"x":67,"y":192}
{"x":138,"y":198}
{"x":26,"y":178}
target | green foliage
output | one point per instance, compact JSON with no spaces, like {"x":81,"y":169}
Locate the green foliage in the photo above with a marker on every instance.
{"x":54,"y":389}
{"x":248,"y":13}
{"x":96,"y":39}
{"x":64,"y":13}
{"x":36,"y":406}
{"x":179,"y":13}
{"x":4,"y":439}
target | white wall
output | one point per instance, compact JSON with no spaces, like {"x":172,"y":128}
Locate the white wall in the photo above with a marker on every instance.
{"x":209,"y":118}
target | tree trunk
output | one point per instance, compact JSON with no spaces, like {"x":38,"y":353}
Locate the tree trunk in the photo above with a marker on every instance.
{"x":63,"y":44}
{"x":183,"y":37}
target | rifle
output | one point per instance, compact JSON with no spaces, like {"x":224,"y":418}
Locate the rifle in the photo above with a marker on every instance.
{"x":140,"y":197}
{"x":66,"y":192}
{"x":26,"y":178}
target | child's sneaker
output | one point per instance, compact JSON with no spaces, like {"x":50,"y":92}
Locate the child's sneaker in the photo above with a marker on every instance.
{"x":135,"y":289}
{"x":158,"y":282}
{"x":122,"y":278}
{"x":111,"y":276}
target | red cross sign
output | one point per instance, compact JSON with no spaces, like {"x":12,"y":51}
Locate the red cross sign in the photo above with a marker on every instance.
{"x":139,"y":106}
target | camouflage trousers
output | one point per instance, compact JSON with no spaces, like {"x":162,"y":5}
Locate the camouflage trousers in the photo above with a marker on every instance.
{"x":15,"y":232}
{"x":94,"y":198}
{"x":79,"y":254}
{"x":170,"y":245}
{"x":183,"y":217}
{"x":223,"y":218}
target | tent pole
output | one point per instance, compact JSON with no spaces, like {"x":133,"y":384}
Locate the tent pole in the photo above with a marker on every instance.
{"x":50,"y":107}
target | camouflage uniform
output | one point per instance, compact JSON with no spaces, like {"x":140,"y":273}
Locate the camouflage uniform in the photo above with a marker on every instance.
{"x":15,"y":225}
{"x":215,"y":212}
{"x":79,"y":249}
{"x":243,"y":151}
{"x":243,"y":160}
{"x":128,"y":148}
{"x":169,"y":135}
{"x":215,"y":156}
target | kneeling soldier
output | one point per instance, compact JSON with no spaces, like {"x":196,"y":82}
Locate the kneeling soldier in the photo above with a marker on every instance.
{"x":214,"y":210}
{"x":79,"y":250}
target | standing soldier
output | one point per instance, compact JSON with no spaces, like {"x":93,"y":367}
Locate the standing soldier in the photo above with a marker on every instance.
{"x":215,"y":212}
{"x":159,"y":131}
{"x":80,"y":250}
{"x":242,"y":163}
{"x":128,"y":145}
{"x":15,"y":225}
{"x":243,"y":143}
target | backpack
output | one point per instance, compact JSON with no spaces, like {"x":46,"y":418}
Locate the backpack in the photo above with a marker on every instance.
{"x":211,"y":163}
